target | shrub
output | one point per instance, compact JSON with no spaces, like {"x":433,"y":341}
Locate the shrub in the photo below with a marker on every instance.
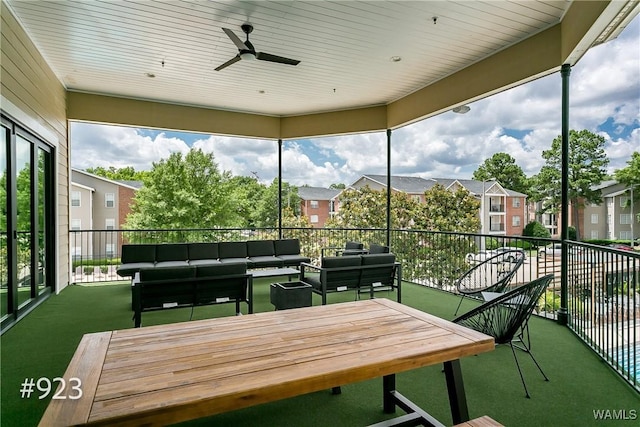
{"x":549,"y":302}
{"x":537,"y":230}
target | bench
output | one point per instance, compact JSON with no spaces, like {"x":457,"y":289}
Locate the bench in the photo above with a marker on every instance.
{"x":276,"y":254}
{"x":164,"y":288}
{"x":362,"y":273}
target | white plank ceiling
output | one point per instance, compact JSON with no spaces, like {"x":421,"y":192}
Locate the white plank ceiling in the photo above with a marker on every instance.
{"x":345,"y":47}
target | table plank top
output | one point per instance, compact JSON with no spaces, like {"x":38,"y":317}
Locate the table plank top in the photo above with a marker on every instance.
{"x":164,"y":374}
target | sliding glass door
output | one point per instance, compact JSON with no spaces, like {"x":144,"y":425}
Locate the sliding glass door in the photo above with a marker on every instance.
{"x":26,"y":218}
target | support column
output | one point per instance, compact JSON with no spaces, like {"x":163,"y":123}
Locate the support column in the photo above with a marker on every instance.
{"x":389,"y":187}
{"x":279,"y":188}
{"x":563,"y":316}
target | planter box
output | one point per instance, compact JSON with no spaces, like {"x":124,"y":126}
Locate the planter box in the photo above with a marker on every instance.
{"x":290,"y":295}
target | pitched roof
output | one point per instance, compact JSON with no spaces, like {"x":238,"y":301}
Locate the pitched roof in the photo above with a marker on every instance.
{"x":407,"y":184}
{"x":317,"y":193}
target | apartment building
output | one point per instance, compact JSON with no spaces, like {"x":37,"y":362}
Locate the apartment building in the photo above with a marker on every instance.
{"x":502,"y":211}
{"x":318,"y":204}
{"x":614,"y":217}
{"x":97,"y":203}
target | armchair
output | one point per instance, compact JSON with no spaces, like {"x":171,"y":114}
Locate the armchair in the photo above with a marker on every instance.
{"x":491,"y":275}
{"x":506,"y":318}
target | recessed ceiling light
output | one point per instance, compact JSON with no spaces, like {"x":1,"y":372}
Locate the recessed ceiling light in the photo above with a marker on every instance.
{"x":150,"y":75}
{"x":396,"y":59}
{"x":461,"y":109}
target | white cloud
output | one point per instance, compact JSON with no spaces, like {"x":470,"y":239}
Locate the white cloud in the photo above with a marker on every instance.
{"x":604,"y":89}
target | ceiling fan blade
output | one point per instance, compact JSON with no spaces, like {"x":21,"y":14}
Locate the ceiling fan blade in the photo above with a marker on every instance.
{"x":235,"y":39}
{"x":274,"y":58}
{"x":229,"y":62}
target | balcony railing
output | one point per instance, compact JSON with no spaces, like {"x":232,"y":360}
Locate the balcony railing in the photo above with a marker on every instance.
{"x":603,"y":300}
{"x":496,"y":207}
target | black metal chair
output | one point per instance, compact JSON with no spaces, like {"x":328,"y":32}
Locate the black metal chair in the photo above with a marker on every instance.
{"x":491,"y":275}
{"x":506,"y":318}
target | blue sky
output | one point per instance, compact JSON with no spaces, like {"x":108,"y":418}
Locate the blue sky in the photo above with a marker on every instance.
{"x":523,"y":121}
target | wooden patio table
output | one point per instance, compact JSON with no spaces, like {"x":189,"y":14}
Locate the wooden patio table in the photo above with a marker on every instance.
{"x":159,"y":375}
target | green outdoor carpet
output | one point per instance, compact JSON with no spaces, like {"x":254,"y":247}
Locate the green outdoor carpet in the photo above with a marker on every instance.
{"x":42,"y":344}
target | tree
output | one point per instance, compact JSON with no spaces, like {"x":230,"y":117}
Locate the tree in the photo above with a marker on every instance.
{"x":587,"y":163}
{"x":184,"y":192}
{"x":266,"y":214}
{"x":446,"y":210}
{"x":536,"y":229}
{"x":366,"y":208}
{"x":127,"y":173}
{"x":337,"y":186}
{"x":630,"y":176}
{"x":503,"y":168}
{"x":247,"y":192}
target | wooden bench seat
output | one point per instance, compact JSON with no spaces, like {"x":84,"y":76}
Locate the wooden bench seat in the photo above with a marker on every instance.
{"x":484,"y":421}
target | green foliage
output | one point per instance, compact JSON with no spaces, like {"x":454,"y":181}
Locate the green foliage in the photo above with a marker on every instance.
{"x":184,"y":192}
{"x":247,"y":193}
{"x":587,"y":165}
{"x":549,"y":302}
{"x":266,"y":210}
{"x":536,"y":229}
{"x":503,"y":168}
{"x":630,"y":176}
{"x":572,"y":233}
{"x":445,"y":210}
{"x":338,"y":186}
{"x":127,"y":173}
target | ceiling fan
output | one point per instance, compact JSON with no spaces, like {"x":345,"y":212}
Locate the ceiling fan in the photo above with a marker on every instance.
{"x":246,"y":50}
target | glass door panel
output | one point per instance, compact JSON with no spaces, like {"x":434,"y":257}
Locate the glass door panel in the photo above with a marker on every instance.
{"x":23,"y":219}
{"x":43,"y":162}
{"x":4,"y":242}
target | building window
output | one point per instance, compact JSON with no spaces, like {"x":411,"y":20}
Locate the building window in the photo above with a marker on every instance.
{"x":76,"y":224}
{"x":110,"y":250}
{"x":625,"y":218}
{"x":594,"y":234}
{"x":515,"y":202}
{"x":313,"y":219}
{"x":625,"y":235}
{"x":314,"y":204}
{"x":594,"y":218}
{"x":332,"y":206}
{"x":109,"y":200}
{"x":515,"y":221}
{"x":76,"y":196}
{"x":110,"y":224}
{"x":624,"y":200}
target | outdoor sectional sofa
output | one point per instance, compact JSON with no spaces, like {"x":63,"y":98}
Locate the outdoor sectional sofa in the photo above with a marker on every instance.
{"x":362,"y":273}
{"x":254,"y":253}
{"x":163,"y":288}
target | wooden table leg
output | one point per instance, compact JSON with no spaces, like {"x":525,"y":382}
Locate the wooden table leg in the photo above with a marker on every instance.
{"x":455,"y":388}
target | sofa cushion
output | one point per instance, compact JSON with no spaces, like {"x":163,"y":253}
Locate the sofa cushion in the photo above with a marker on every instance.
{"x":204,"y":262}
{"x":151,"y":274}
{"x":287,"y":247}
{"x":203,"y":251}
{"x":293,"y":260}
{"x":172,"y":252}
{"x":371,"y":259}
{"x":171,"y":264}
{"x":353,"y":245}
{"x":129,"y":269}
{"x":227,"y":269}
{"x":138,"y":253}
{"x":343,"y":261}
{"x":265,"y":261}
{"x":378,"y":249}
{"x":232,"y":250}
{"x":258,"y":248}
